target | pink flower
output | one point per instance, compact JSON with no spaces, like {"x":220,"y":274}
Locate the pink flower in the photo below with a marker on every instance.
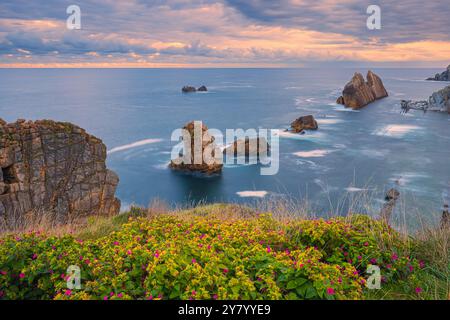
{"x":194,"y":261}
{"x":194,"y":292}
{"x":22,"y":275}
{"x":366,"y":244}
{"x":116,"y":243}
{"x":411,"y":268}
{"x":150,"y":297}
{"x":3,"y":273}
{"x":388,"y":266}
{"x":215,"y":296}
{"x":359,"y":258}
{"x":330,"y":291}
{"x":105,"y":298}
{"x":128,"y":252}
{"x":68,"y":292}
{"x":418,"y":290}
{"x":111,"y":294}
{"x":268,"y":249}
{"x":156,"y":254}
{"x":225,"y":270}
{"x":421,"y":264}
{"x":373,"y":261}
{"x":119,"y":295}
{"x":34,"y":256}
{"x":394,"y":256}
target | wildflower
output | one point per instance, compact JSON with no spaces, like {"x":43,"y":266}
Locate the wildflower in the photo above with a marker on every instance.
{"x":418,"y":290}
{"x":394,"y":257}
{"x":215,"y":296}
{"x":105,"y":298}
{"x":119,"y":295}
{"x":150,"y":297}
{"x":3,"y":273}
{"x":34,"y":256}
{"x":194,"y":292}
{"x":268,"y":249}
{"x":194,"y":261}
{"x":68,"y":292}
{"x":411,"y":268}
{"x":22,"y":275}
{"x":366,"y":244}
{"x":330,"y":291}
{"x":128,"y":252}
{"x":111,"y":294}
{"x":225,"y":270}
{"x":388,"y":266}
{"x":421,"y":264}
{"x":359,"y":258}
{"x":156,"y":254}
{"x":116,"y":243}
{"x":373,"y":261}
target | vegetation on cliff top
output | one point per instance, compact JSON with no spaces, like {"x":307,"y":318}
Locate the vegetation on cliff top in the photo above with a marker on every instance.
{"x":223,"y":252}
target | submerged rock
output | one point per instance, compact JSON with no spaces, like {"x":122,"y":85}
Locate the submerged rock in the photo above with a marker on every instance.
{"x":202,"y":89}
{"x":187,"y":89}
{"x":304,"y":123}
{"x":439,"y":101}
{"x":56,"y":168}
{"x":444,"y":76}
{"x":252,"y":147}
{"x":197,"y":145}
{"x":358,"y":93}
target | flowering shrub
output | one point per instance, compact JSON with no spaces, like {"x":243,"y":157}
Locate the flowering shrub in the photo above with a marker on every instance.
{"x":175,"y":256}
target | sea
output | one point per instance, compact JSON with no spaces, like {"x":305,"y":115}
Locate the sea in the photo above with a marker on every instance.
{"x":348,"y":164}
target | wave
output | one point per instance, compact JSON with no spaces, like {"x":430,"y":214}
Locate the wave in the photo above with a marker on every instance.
{"x":310,"y":135}
{"x":256,"y":194}
{"x":133,"y":145}
{"x":341,"y":108}
{"x":328,"y":121}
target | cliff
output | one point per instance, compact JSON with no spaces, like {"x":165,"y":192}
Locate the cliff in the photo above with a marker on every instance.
{"x":55,"y":167}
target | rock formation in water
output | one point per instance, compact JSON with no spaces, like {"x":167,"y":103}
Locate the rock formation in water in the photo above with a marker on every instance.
{"x":391,"y":199}
{"x":56,"y":168}
{"x":248,"y":147}
{"x":187,"y":89}
{"x":438,"y":101}
{"x":358,"y":93}
{"x":304,"y":123}
{"x":197,"y":146}
{"x":444,"y":76}
{"x":202,"y":88}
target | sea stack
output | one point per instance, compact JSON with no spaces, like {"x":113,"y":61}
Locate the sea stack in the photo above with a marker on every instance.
{"x":444,"y":76}
{"x":194,"y":161}
{"x":358,"y":93}
{"x":55,"y":168}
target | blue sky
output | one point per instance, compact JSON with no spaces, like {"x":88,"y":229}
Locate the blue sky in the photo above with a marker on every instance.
{"x":227,"y":33}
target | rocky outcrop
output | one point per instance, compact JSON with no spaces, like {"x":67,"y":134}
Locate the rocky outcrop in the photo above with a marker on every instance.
{"x":358,"y":93}
{"x":444,"y":76}
{"x":197,"y":145}
{"x":188,"y":89}
{"x":439,"y":101}
{"x":53,"y":167}
{"x":252,"y":147}
{"x":304,"y":123}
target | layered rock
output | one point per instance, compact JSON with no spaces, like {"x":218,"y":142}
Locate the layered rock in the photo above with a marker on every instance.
{"x":358,"y":93}
{"x":194,"y":160}
{"x":444,"y":76}
{"x":53,"y":167}
{"x":304,"y":123}
{"x":248,"y":147}
{"x":439,"y":101}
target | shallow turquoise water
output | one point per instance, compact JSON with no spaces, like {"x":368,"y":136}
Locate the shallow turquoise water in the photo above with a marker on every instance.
{"x":135,"y":111}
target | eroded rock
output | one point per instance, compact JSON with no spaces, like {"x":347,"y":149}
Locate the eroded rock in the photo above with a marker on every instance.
{"x":304,"y":123}
{"x":444,"y":76}
{"x":53,"y":167}
{"x":358,"y":93}
{"x":439,"y":101}
{"x":199,"y":139}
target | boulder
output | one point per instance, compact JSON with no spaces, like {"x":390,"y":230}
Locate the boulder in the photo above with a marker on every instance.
{"x":252,"y":147}
{"x":304,"y":123}
{"x":207,"y":141}
{"x":358,"y":93}
{"x":439,"y":101}
{"x":444,"y":76}
{"x":56,"y":168}
{"x":202,"y":89}
{"x":187,"y":89}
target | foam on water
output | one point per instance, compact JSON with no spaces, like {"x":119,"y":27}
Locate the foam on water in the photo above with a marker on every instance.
{"x":256,"y":194}
{"x":395,"y":130}
{"x":134,"y":145}
{"x":313,"y":153}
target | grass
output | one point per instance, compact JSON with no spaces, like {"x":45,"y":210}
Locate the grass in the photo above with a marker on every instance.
{"x":429,"y":245}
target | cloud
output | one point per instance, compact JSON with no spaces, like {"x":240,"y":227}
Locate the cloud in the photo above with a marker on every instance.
{"x":221,"y":32}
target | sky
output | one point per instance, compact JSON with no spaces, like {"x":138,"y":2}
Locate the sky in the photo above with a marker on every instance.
{"x":224,"y":33}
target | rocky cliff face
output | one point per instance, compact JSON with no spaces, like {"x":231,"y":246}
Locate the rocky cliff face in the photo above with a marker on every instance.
{"x":53,"y":167}
{"x":358,"y":93}
{"x":438,"y":101}
{"x":444,"y":76}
